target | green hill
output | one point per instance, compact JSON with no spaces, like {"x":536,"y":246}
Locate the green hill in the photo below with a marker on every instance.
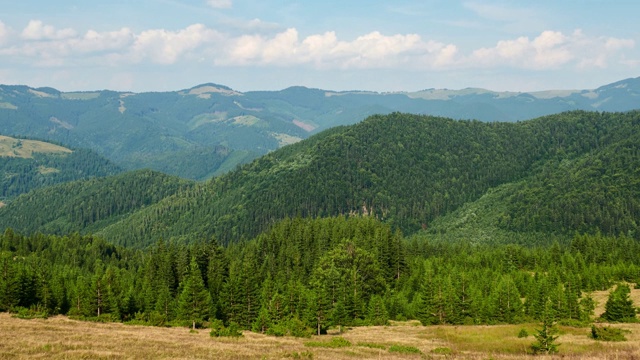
{"x":88,"y":205}
{"x":410,"y":170}
{"x":555,"y":175}
{"x":30,"y":164}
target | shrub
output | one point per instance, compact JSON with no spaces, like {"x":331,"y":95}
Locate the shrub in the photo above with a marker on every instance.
{"x":442,"y":351}
{"x":31,"y":313}
{"x":219,"y":330}
{"x":523,"y":333}
{"x":404,"y":349}
{"x":607,"y":333}
{"x":292,"y":327}
{"x":336,"y":342}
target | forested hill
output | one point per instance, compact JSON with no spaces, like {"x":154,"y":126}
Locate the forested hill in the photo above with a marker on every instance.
{"x":209,"y":129}
{"x":88,"y":205}
{"x":27,"y":164}
{"x":574,"y":171}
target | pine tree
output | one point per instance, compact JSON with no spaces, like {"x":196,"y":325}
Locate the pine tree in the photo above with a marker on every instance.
{"x":545,"y":337}
{"x":619,"y":306}
{"x":194,"y":302}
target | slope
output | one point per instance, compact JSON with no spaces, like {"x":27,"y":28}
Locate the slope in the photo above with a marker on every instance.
{"x":30,"y":164}
{"x":409,"y":170}
{"x":87,"y":205}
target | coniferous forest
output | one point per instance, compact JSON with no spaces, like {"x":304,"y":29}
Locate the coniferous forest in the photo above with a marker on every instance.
{"x":398,"y":217}
{"x":303,"y":276}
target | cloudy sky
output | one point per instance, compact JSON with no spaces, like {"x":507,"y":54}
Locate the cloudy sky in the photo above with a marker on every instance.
{"x":400,"y":45}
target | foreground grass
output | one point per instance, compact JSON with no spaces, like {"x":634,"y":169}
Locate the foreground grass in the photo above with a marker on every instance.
{"x":62,"y":338}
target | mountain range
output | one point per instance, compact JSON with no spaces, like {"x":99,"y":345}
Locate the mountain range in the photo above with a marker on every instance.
{"x":210,"y":129}
{"x":529,"y":181}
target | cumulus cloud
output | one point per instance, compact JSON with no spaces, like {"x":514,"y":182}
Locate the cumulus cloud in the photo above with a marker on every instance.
{"x":552,"y":49}
{"x":36,"y":30}
{"x":372,"y":50}
{"x":4,"y":32}
{"x":40,"y":44}
{"x":220,"y":4}
{"x":165,"y":47}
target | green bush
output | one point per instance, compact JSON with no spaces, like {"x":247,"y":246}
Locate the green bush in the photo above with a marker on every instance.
{"x":336,"y":342}
{"x":31,"y":313}
{"x":523,"y":333}
{"x":442,"y":351}
{"x":404,"y":349}
{"x":219,"y":330}
{"x":605,"y":333}
{"x":292,"y":327}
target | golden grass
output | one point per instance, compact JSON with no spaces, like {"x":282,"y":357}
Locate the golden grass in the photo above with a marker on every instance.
{"x":12,"y":147}
{"x":61,"y":338}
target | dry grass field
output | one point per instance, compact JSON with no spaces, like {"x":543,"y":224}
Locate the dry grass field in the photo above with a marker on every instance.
{"x":62,"y":338}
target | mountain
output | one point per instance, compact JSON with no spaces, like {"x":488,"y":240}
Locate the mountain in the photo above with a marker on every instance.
{"x":209,"y":129}
{"x":30,"y":164}
{"x":575,"y":171}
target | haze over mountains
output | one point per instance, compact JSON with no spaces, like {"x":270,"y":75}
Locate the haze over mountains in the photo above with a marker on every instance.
{"x":209,"y":129}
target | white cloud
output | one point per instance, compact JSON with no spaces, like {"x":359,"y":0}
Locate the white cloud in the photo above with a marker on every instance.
{"x":373,"y":50}
{"x":44,"y":45}
{"x":4,"y":32}
{"x":165,"y":47}
{"x":36,"y":30}
{"x":220,"y":4}
{"x":552,"y":49}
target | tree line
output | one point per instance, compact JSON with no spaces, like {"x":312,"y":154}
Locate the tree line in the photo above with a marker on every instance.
{"x":306,"y":275}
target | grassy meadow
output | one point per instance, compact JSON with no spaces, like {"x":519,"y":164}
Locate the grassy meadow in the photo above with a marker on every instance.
{"x":62,"y":338}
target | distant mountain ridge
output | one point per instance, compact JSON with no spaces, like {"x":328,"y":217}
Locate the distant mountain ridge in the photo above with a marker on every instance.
{"x":209,"y":129}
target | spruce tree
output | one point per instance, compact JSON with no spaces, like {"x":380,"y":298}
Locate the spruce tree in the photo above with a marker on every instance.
{"x":194,"y":302}
{"x":619,"y":306}
{"x":545,"y":337}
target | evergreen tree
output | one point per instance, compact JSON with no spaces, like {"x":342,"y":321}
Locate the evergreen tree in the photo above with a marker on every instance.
{"x":194,"y":302}
{"x":545,"y":337}
{"x":619,"y":306}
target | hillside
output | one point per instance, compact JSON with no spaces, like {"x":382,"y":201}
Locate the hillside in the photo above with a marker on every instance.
{"x":26,"y":165}
{"x":89,"y":205}
{"x":209,"y":129}
{"x":558,"y":174}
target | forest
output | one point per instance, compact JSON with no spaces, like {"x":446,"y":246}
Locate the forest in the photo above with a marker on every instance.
{"x":303,"y":276}
{"x":400,"y":217}
{"x":575,"y":171}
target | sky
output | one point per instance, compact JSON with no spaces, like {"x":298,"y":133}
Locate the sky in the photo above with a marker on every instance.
{"x":401,"y":45}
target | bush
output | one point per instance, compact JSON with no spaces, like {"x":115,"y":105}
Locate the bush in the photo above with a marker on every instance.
{"x":608,"y":333}
{"x":372,"y":345}
{"x":292,"y":327}
{"x":336,"y":342}
{"x":219,"y":330}
{"x":404,"y":349}
{"x":442,"y":351}
{"x":31,"y":313}
{"x":523,"y":333}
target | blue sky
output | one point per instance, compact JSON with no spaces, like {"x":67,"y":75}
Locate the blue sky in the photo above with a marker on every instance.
{"x":158,"y":45}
